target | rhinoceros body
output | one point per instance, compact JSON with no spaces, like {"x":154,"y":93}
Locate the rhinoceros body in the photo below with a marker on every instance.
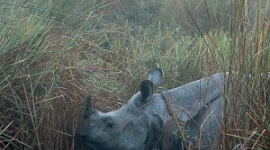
{"x":150,"y":120}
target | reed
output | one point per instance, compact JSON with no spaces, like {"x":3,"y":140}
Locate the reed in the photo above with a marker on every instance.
{"x":53,"y":54}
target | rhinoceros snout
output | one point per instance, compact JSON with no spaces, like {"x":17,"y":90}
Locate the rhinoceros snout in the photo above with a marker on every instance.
{"x":80,"y":140}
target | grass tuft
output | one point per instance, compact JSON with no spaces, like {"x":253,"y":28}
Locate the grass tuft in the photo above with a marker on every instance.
{"x":53,"y":54}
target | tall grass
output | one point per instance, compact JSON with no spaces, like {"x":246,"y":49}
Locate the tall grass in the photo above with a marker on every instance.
{"x":40,"y":92}
{"x":53,"y":54}
{"x":247,"y":108}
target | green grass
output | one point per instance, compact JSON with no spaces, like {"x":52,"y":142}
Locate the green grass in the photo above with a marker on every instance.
{"x":53,"y":54}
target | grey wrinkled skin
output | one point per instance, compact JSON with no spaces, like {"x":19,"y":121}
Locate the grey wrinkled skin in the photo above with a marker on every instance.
{"x":146,"y":121}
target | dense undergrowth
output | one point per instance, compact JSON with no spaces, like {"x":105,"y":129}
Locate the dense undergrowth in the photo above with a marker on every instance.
{"x":55,"y":53}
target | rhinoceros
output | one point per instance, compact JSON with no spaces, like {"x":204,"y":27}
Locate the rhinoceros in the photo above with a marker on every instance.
{"x":189,"y":116}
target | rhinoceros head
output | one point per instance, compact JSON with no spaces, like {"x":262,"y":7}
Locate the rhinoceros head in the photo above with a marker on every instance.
{"x":135,"y":126}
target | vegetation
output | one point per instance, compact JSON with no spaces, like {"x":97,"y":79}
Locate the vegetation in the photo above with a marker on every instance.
{"x":54,"y":53}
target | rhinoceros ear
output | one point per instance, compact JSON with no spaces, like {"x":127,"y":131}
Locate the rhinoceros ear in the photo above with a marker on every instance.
{"x":146,"y":89}
{"x":155,"y":75}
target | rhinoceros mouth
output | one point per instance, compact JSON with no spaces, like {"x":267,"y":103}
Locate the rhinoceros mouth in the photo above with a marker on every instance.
{"x":93,"y":145}
{"x":91,"y":142}
{"x":97,"y":146}
{"x":87,"y":141}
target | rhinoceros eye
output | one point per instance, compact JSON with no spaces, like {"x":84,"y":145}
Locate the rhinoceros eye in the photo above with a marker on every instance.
{"x":109,"y":122}
{"x":110,"y":125}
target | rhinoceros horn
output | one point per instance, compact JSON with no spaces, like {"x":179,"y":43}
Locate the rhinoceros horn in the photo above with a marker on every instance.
{"x":89,"y":107}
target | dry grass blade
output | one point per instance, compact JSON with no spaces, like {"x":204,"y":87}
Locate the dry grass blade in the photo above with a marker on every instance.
{"x":54,"y":53}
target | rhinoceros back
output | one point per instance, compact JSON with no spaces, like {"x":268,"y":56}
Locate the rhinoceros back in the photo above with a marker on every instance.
{"x":198,"y":106}
{"x":188,"y":100}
